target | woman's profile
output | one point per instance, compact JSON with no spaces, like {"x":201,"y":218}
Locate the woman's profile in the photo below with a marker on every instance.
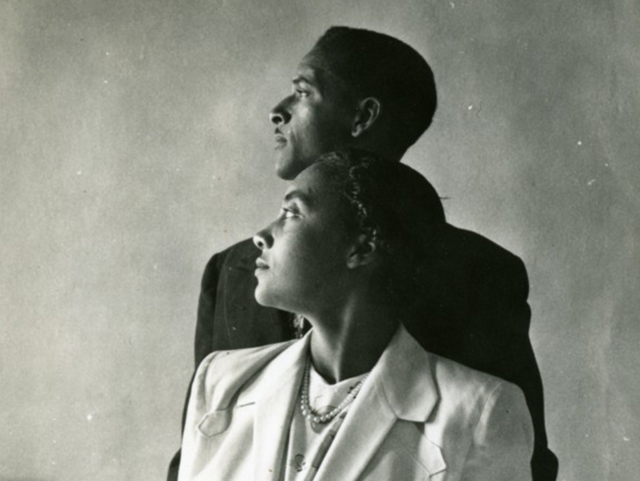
{"x":357,"y":398}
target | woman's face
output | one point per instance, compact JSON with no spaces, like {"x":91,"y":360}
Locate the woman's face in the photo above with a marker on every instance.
{"x":303,"y":264}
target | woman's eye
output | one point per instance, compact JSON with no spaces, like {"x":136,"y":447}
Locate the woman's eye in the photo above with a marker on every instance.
{"x":288,"y":213}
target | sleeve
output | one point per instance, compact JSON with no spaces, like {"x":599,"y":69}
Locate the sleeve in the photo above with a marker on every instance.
{"x":517,"y":364}
{"x":195,"y":408}
{"x":206,"y":308}
{"x":503,"y":439}
{"x":203,"y":340}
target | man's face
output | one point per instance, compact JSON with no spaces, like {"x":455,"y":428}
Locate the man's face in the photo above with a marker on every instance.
{"x":314,"y":119}
{"x":302,"y":267}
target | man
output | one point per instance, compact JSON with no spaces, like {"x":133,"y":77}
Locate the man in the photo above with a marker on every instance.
{"x":370,"y":91}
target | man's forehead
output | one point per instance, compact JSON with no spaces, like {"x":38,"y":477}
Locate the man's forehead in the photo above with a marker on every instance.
{"x":306,"y":73}
{"x":309,"y":71}
{"x":317,"y":70}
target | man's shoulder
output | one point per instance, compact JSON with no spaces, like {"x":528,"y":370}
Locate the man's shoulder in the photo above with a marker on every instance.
{"x":237,"y":252}
{"x":241,"y":256}
{"x":467,"y":259}
{"x":476,"y":245}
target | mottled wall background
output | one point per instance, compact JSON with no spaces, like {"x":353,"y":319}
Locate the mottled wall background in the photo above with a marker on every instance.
{"x":134,"y":143}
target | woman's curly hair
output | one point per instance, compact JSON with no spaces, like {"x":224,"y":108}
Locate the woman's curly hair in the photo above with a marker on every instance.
{"x":394,"y":205}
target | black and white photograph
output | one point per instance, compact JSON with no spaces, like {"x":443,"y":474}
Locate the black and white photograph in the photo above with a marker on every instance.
{"x":318,"y":241}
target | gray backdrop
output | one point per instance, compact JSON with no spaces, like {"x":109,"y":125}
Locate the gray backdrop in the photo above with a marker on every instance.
{"x":134,"y":143}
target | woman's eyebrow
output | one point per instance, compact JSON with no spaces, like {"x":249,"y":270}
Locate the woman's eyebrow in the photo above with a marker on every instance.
{"x":302,"y":80}
{"x":299,"y":195}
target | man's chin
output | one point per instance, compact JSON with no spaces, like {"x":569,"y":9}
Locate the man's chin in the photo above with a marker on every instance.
{"x":286,"y":169}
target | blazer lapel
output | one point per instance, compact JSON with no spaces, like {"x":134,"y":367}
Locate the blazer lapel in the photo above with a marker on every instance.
{"x":366,"y":426}
{"x":400,"y":387}
{"x":274,"y":408}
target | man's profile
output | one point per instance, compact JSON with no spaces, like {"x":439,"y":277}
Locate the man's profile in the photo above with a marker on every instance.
{"x":362,"y":89}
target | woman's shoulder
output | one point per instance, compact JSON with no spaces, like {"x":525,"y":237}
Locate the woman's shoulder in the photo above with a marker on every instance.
{"x":473,"y":392}
{"x":222,"y":374}
{"x":453,"y":375}
{"x":452,"y":379}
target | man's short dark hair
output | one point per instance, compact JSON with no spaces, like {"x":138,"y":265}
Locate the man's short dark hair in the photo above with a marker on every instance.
{"x":378,"y":65}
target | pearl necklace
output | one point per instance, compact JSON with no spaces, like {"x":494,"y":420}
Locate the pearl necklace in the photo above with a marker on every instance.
{"x":312,"y":415}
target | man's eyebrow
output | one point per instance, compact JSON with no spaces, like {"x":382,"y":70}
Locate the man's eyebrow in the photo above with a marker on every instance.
{"x":301,"y":196}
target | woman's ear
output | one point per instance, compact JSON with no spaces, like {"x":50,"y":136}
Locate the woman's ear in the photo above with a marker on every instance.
{"x":368,"y":112}
{"x":363,"y":251}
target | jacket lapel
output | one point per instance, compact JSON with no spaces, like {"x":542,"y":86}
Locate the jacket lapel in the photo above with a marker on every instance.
{"x":364,"y":429}
{"x":274,"y":408}
{"x":400,"y":387}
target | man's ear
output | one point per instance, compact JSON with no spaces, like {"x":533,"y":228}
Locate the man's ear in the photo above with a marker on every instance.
{"x":369,"y":110}
{"x":362,"y":252}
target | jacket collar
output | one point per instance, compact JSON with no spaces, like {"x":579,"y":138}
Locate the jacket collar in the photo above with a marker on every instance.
{"x":400,"y":386}
{"x":404,"y":373}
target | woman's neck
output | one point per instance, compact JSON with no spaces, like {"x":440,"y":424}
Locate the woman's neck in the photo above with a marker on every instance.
{"x":350,"y":343}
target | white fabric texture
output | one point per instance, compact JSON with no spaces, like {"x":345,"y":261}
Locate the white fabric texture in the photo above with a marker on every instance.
{"x":308,"y":443}
{"x":418,"y":417}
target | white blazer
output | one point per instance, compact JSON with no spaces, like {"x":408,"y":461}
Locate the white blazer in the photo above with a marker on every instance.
{"x":419,"y":416}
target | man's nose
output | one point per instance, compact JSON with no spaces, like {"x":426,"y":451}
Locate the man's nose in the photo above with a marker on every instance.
{"x":263,"y":239}
{"x":280,"y":113}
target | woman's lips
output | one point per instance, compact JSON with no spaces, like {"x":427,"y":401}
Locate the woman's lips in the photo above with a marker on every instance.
{"x":281,"y":140}
{"x":261,"y":264}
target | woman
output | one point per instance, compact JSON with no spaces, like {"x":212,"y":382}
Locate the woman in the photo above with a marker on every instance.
{"x":357,"y":398}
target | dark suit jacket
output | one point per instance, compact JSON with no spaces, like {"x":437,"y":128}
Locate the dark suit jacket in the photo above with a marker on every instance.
{"x":472,"y":308}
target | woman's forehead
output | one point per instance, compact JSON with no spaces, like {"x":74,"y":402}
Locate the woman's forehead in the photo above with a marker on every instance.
{"x":313,"y":185}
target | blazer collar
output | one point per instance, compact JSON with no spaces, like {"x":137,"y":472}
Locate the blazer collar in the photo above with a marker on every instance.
{"x":404,"y":372}
{"x":400,"y":386}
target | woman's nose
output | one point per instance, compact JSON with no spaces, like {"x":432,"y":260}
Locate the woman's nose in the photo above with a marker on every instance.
{"x":280,"y":114}
{"x":263,"y":239}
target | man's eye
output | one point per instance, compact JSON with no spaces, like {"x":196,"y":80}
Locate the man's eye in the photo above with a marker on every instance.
{"x":302,"y":93}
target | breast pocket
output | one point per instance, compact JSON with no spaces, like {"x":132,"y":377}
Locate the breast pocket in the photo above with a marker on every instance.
{"x":214,"y":423}
{"x":409,"y":455}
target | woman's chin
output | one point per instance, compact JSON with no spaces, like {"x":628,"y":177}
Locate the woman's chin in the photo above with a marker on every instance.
{"x":270,"y":299}
{"x":264,"y":299}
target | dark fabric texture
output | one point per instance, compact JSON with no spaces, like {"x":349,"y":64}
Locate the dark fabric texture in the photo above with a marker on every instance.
{"x":472,"y":308}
